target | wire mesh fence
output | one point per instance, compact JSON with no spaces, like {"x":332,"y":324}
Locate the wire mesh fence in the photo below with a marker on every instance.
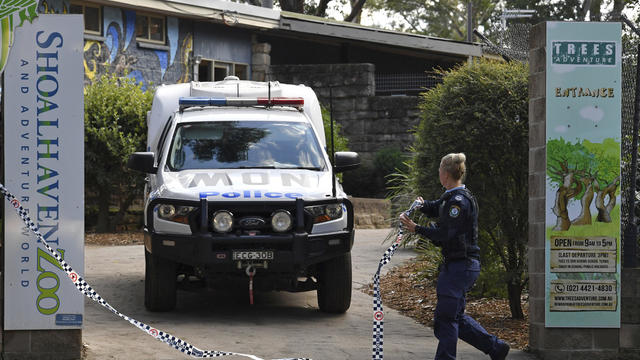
{"x":630,"y":201}
{"x":406,"y":83}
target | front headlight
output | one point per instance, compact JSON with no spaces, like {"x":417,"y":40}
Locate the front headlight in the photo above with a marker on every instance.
{"x":174,"y":213}
{"x":281,"y":221}
{"x":323,"y":213}
{"x":222,"y":221}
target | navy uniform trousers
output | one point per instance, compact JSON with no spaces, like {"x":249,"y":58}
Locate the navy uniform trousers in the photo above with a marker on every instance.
{"x":455,"y":280}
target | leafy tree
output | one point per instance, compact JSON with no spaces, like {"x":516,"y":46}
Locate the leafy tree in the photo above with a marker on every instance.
{"x":115,"y":113}
{"x":607,"y":175}
{"x":569,"y":168}
{"x":482,"y":110}
{"x":445,"y":18}
{"x":318,"y":8}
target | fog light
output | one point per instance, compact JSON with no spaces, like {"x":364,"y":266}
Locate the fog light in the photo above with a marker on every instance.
{"x":334,"y":211}
{"x":166,"y":211}
{"x":281,"y":221}
{"x":222,"y":221}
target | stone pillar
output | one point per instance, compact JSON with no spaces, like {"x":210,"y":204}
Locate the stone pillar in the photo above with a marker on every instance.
{"x":260,"y":61}
{"x":537,"y":176}
{"x":42,"y":345}
{"x":630,"y":313}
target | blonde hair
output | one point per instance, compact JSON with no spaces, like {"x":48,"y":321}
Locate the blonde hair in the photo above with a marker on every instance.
{"x":454,"y":165}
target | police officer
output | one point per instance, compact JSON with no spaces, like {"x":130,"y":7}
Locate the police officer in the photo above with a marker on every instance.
{"x":456,"y":232}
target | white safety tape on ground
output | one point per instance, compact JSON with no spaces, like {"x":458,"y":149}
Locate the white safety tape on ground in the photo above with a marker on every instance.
{"x":378,"y":311}
{"x":88,"y":291}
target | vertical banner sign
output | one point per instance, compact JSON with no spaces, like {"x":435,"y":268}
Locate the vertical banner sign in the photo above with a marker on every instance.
{"x":583,"y":133}
{"x":44,"y":168}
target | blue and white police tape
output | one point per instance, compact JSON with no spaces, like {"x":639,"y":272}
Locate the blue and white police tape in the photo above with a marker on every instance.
{"x":88,"y":291}
{"x":378,"y":311}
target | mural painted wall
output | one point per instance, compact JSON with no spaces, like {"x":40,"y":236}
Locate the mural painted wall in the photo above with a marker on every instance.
{"x":118,"y":51}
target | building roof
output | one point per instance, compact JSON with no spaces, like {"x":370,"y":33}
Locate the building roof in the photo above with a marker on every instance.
{"x":246,"y":15}
{"x":241,"y":14}
{"x":351,"y":31}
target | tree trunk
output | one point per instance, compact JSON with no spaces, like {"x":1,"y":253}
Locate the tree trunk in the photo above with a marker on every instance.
{"x":582,"y":12}
{"x":322,"y":8}
{"x":292,"y":5}
{"x":594,"y":11}
{"x":356,"y":11}
{"x":560,"y":209}
{"x":604,"y":210}
{"x":585,"y":213}
{"x":514,"y":289}
{"x":618,"y":5}
{"x":564,"y":193}
{"x":103,"y":211}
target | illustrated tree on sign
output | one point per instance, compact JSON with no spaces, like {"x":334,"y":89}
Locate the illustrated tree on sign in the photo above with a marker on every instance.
{"x":583,"y":170}
{"x":607,"y":179}
{"x":586,"y":198}
{"x":568,"y":167}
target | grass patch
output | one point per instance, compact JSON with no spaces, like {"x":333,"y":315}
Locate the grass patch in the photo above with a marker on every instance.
{"x":596,"y":228}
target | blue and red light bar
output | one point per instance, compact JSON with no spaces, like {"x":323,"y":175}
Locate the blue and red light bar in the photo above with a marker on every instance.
{"x":186,"y":102}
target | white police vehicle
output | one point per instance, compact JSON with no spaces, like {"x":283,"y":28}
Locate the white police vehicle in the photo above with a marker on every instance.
{"x":240,"y":183}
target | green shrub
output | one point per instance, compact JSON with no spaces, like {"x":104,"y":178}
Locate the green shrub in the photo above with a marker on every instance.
{"x":341,"y":142}
{"x":115,"y":127}
{"x":481,"y":110}
{"x":389,"y":160}
{"x":363,"y":182}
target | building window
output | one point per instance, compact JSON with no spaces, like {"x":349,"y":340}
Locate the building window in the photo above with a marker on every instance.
{"x":211,"y":70}
{"x":241,"y":71}
{"x":150,"y":28}
{"x":92,"y":16}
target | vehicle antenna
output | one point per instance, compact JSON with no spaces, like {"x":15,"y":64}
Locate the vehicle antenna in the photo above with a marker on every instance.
{"x":333,"y":150}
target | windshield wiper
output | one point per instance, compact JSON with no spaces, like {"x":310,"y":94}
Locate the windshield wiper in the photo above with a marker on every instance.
{"x":314,"y":168}
{"x":254,"y":167}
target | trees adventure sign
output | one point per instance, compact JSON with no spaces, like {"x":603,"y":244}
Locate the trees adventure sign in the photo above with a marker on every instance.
{"x":583,"y":132}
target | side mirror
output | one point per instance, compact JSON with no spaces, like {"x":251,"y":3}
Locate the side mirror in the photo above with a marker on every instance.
{"x":346,"y":160}
{"x":142,"y":161}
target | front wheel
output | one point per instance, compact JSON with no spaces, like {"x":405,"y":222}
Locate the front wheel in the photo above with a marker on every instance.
{"x":159,"y":283}
{"x":334,"y":284}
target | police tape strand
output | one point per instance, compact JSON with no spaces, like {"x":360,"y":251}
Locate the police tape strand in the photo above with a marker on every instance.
{"x":88,"y":291}
{"x":378,"y":311}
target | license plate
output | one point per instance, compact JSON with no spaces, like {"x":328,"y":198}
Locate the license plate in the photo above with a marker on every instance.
{"x":253,"y":255}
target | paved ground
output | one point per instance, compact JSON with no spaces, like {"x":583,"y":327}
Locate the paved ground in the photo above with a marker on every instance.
{"x":279,"y":325}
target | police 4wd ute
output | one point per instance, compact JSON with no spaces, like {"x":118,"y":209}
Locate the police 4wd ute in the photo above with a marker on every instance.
{"x":240,"y":183}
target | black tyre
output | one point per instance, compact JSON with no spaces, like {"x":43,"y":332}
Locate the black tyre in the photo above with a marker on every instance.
{"x":334,"y":284}
{"x":159,"y":283}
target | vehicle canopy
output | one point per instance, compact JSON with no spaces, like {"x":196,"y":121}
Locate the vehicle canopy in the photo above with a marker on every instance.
{"x":166,"y":98}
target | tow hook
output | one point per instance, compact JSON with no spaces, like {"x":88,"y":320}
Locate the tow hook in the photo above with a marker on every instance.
{"x":250,"y":271}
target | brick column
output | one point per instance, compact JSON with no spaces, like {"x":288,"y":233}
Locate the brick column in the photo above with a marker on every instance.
{"x":260,"y":61}
{"x":537,"y":176}
{"x":630,"y":313}
{"x":42,"y":345}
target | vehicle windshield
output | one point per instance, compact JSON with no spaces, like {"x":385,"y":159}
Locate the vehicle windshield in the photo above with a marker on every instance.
{"x":243,"y":145}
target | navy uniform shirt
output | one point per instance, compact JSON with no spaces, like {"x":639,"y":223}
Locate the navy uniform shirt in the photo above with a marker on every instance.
{"x":454,"y":229}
